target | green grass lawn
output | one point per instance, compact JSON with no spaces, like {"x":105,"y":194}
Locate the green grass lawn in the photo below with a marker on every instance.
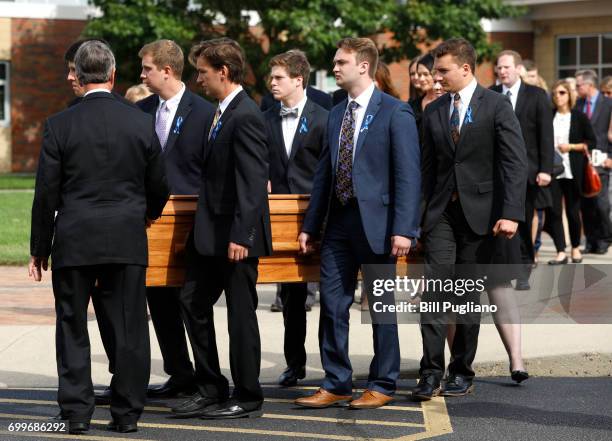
{"x":15,"y":212}
{"x":16,"y":181}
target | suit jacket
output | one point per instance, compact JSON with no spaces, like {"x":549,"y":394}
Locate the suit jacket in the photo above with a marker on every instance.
{"x":487,"y":168}
{"x":294,"y":174}
{"x":580,"y":132}
{"x":184,"y":151}
{"x":386,"y":172}
{"x":318,"y":96}
{"x":233,"y":203}
{"x":600,"y":120}
{"x":101,"y":169}
{"x":533,"y":110}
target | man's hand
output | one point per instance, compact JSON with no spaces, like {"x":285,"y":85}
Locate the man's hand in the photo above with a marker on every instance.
{"x":543,"y":179}
{"x":35,"y":265}
{"x":269,"y":187}
{"x":505,"y":227}
{"x":607,"y":163}
{"x":305,"y":244}
{"x":400,"y":246}
{"x":236,"y":253}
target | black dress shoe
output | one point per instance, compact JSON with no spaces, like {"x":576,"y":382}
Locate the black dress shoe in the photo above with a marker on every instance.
{"x":231,"y":411}
{"x":457,"y":386}
{"x":558,"y":262}
{"x":122,"y":428}
{"x":76,"y":428}
{"x":194,"y":406}
{"x":600,"y":250}
{"x":427,"y":388}
{"x":103,"y":396}
{"x":519,"y":376}
{"x":171,"y":389}
{"x":290,"y":376}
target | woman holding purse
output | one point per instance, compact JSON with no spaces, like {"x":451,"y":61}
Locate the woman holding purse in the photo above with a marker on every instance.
{"x":573,"y":137}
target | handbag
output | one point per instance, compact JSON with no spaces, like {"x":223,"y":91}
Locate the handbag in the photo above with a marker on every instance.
{"x":591,"y":185}
{"x":558,"y":167}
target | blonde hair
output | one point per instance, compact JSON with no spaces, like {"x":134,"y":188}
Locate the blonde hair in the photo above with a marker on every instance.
{"x":137,"y":93}
{"x":165,"y":53}
{"x":568,"y":87}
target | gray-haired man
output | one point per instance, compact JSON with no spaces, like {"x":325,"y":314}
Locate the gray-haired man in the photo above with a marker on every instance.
{"x":100,"y":169}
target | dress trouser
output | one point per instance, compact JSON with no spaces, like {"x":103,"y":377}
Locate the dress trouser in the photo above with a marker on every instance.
{"x":293,"y":297}
{"x":207,"y":277}
{"x":343,"y":250}
{"x":564,"y":189}
{"x":165,"y":309}
{"x":596,"y":215}
{"x":452,"y":250}
{"x":527,"y":249}
{"x":122,"y":307}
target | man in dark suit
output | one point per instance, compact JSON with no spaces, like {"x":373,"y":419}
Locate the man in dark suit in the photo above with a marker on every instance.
{"x":474,"y":183}
{"x":532,"y":108}
{"x":317,"y":96}
{"x":95,"y":190}
{"x":181,"y":122}
{"x":596,"y":210}
{"x":368,"y":187}
{"x":296,"y":134}
{"x":231,"y":231}
{"x":77,"y":88}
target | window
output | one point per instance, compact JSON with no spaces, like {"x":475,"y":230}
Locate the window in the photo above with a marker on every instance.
{"x":589,"y":51}
{"x":4,"y":93}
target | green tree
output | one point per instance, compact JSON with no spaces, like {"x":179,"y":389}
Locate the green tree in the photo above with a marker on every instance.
{"x":311,"y":25}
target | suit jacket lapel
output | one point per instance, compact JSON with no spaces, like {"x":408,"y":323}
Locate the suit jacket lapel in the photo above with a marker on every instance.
{"x":368,"y":119}
{"x":225,"y":117}
{"x":598,"y":105}
{"x":301,"y":132}
{"x":474,"y":104}
{"x":336,"y":125}
{"x":444,"y":114}
{"x":183,"y":110}
{"x":521,"y":98}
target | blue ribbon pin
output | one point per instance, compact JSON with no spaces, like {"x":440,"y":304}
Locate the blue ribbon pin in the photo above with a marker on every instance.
{"x":468,"y":116}
{"x":303,"y":125}
{"x":177,"y":126}
{"x":366,"y":123}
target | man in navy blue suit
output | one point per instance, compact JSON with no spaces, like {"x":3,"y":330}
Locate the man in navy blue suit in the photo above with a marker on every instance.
{"x":367,"y":185}
{"x":181,"y":120}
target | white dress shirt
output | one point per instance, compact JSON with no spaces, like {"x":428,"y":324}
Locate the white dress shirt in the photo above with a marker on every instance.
{"x":228,"y":99}
{"x":171,"y":103}
{"x":97,"y":90}
{"x":561,"y":124}
{"x":363,"y":100}
{"x":514,"y":90}
{"x":466,"y":96}
{"x":289,"y":125}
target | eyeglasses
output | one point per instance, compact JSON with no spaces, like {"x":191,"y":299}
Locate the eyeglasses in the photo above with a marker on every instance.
{"x":560,"y":92}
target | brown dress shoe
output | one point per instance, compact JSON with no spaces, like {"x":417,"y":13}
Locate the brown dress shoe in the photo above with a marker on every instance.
{"x":370,"y":400}
{"x":321,"y":399}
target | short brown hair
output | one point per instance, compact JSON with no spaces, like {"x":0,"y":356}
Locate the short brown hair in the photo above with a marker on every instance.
{"x":220,"y":52}
{"x":460,"y":49}
{"x":570,"y":91}
{"x":295,"y":63}
{"x":365,"y":50}
{"x":518,"y":60}
{"x":165,"y":53}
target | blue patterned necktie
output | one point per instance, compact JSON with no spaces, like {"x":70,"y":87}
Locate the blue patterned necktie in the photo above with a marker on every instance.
{"x":454,"y":120}
{"x":344,"y":178}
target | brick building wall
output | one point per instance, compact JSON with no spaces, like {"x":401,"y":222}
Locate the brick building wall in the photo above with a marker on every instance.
{"x":38,"y":85}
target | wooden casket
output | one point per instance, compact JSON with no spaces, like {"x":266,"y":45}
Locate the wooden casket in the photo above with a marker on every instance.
{"x":168,"y":237}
